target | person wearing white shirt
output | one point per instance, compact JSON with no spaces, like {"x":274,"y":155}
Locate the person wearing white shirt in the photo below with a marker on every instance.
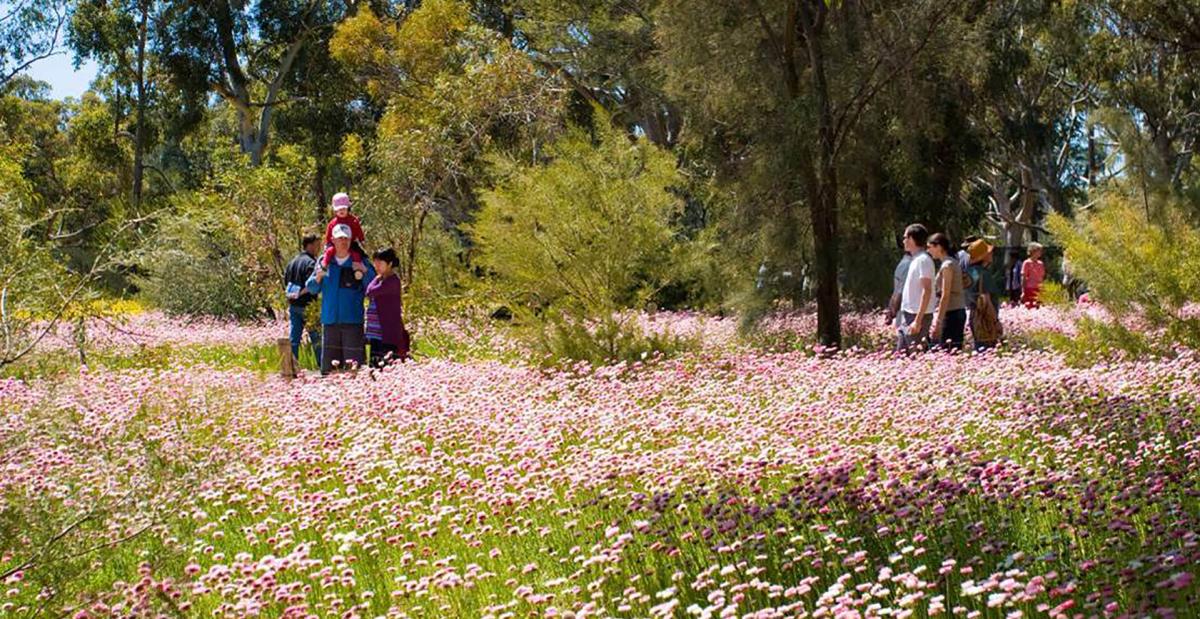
{"x":916,"y":302}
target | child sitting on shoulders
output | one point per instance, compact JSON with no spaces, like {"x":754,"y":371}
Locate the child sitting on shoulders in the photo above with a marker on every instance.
{"x":342,"y":216}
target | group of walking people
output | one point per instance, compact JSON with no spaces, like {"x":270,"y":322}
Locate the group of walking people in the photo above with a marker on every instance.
{"x":334,"y":270}
{"x":939,"y":290}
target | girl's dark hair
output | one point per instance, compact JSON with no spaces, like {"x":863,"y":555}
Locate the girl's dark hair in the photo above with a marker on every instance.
{"x":387,"y":255}
{"x":942,"y":241}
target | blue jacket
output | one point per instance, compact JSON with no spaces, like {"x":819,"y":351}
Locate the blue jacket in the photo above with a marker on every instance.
{"x":341,"y":301}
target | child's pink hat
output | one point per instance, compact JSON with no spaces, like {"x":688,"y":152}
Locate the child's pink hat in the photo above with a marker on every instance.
{"x":341,"y":200}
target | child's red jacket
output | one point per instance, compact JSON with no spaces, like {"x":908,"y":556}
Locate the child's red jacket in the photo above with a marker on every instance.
{"x":356,"y":232}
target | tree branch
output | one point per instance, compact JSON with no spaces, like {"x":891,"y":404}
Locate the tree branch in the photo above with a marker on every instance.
{"x":60,"y":20}
{"x":16,"y":8}
{"x":285,"y":67}
{"x":25,"y":65}
{"x":854,"y":108}
{"x":233,"y":68}
{"x":32,"y":561}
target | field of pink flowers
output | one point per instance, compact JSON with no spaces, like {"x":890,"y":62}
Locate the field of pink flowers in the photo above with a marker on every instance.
{"x":475,"y":336}
{"x":729,"y":482}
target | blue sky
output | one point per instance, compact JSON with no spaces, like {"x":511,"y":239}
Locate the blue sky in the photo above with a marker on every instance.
{"x":60,"y":73}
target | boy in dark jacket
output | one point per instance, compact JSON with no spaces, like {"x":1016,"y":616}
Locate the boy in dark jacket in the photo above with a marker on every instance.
{"x":295,"y":279}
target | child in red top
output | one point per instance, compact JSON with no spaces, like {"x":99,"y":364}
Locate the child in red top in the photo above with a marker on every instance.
{"x":341,"y":212}
{"x":1033,"y":272}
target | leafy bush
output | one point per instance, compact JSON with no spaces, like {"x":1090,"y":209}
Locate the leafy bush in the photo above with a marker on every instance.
{"x":223,"y":249}
{"x":36,"y":290}
{"x":612,"y":339}
{"x":437,"y":285}
{"x":1139,"y":254}
{"x":576,"y":240}
{"x":196,"y":265}
{"x":1098,"y":341}
{"x":270,"y":207}
{"x":1053,"y":293}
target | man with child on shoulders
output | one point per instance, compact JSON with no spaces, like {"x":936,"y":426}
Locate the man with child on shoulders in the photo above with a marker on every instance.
{"x":344,"y":280}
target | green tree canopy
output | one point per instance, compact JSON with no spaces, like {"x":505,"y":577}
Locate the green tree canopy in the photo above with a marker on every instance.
{"x":245,"y":52}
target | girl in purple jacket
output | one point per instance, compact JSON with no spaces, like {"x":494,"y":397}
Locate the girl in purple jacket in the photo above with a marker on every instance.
{"x":385,"y":318}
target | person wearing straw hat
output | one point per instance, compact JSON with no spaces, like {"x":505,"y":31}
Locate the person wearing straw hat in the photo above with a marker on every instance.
{"x":962,"y":256}
{"x":980,"y":282}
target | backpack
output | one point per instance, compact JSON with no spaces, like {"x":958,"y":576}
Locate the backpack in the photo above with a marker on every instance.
{"x":346,"y":277}
{"x":985,"y":325}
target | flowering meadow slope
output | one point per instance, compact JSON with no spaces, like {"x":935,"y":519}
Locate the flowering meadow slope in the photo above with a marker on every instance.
{"x":713,"y":485}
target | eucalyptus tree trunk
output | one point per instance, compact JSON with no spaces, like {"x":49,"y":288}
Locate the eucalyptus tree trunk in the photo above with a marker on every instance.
{"x":254,"y":129}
